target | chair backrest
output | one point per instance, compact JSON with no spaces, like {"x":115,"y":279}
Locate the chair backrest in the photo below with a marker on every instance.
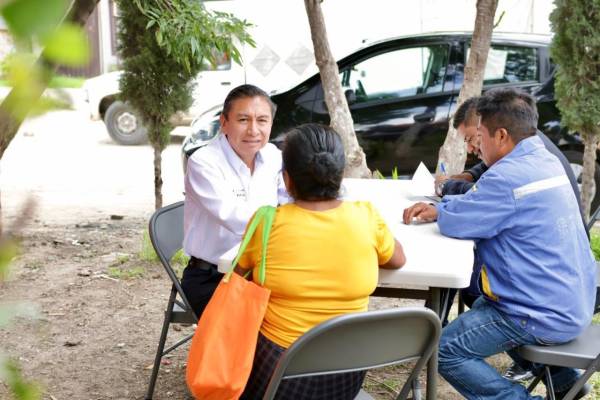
{"x":361,"y":341}
{"x":166,"y":235}
{"x":595,"y":215}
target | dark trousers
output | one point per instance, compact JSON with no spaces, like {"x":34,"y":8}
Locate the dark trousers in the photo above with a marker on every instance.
{"x":199,"y":281}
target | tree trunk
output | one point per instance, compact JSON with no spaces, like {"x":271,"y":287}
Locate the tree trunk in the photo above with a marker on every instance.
{"x":588,"y":187}
{"x":453,"y":152}
{"x":341,"y":119}
{"x":11,"y":109}
{"x":157,"y":176}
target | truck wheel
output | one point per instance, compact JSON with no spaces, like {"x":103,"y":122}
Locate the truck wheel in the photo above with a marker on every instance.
{"x":124,"y":125}
{"x":575,"y":158}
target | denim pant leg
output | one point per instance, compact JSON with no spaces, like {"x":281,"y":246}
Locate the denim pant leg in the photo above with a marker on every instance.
{"x":468,"y":340}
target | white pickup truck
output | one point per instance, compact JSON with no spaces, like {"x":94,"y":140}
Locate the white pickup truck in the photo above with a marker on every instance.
{"x":122,"y":122}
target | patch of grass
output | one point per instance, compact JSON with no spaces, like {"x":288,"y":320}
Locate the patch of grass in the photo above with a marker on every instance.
{"x":147,"y":253}
{"x":121,"y":259}
{"x":595,"y":381}
{"x":595,"y":243}
{"x":126,"y":273}
{"x":34,"y":265}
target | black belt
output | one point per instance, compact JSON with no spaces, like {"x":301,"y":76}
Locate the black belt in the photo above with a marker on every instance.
{"x":201,"y":264}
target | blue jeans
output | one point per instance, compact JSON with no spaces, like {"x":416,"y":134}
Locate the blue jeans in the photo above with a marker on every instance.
{"x":479,"y":333}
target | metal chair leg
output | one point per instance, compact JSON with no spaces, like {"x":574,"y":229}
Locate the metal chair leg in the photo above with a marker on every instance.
{"x":592,"y":368}
{"x":161,"y":345}
{"x":416,"y":389}
{"x":549,"y":384}
{"x":535,"y":382}
{"x":461,"y":305}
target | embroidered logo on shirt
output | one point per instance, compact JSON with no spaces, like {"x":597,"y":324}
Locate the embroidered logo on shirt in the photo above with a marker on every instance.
{"x":240,"y":194}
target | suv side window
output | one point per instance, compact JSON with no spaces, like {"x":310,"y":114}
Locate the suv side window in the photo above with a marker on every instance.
{"x":510,"y":64}
{"x":395,"y":74}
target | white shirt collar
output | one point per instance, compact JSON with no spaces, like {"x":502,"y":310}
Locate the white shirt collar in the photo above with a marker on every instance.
{"x":234,"y":160}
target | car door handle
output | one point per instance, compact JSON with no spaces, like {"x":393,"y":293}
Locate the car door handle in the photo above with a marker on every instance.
{"x":425,"y":117}
{"x":225,"y":83}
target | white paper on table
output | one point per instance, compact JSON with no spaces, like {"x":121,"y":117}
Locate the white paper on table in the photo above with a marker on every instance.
{"x":422,"y":183}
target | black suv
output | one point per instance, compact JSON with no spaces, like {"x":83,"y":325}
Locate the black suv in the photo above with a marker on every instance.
{"x":402,"y":91}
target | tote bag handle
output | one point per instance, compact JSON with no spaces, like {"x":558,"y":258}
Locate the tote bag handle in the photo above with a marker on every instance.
{"x":265,"y":214}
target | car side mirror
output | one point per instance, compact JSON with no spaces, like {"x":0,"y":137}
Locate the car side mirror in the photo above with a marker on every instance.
{"x":350,"y":96}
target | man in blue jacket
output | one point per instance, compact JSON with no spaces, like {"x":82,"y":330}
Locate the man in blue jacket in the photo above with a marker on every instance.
{"x":530,"y":244}
{"x":465,"y":122}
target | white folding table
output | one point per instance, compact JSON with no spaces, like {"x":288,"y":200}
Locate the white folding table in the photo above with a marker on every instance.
{"x":434,"y":262}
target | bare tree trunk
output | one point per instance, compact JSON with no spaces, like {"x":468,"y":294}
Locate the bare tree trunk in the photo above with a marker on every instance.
{"x":453,"y":152}
{"x":341,"y":119}
{"x":588,"y":187}
{"x":11,"y":109}
{"x":158,"y":182}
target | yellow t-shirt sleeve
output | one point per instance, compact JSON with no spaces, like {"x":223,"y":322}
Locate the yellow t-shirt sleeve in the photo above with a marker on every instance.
{"x":384,"y":240}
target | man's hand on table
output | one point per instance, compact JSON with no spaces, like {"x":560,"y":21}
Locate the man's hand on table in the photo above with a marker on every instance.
{"x":421,"y":212}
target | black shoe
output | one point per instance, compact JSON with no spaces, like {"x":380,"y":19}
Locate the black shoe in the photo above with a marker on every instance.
{"x":585,"y":390}
{"x":515,"y":373}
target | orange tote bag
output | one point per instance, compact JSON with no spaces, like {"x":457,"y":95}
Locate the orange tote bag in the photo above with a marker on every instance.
{"x":223,"y":346}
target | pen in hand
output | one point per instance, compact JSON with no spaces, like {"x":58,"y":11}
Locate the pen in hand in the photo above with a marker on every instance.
{"x":443,"y":168}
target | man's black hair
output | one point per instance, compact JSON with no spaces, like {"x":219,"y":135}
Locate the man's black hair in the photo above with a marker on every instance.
{"x":245,"y":91}
{"x":466,"y":113}
{"x":313,"y":157}
{"x":511,"y":109}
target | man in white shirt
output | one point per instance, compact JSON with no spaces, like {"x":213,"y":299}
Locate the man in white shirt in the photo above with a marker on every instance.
{"x":225,"y":182}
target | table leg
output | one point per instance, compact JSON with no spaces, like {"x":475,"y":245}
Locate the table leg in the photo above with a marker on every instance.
{"x":432,"y":366}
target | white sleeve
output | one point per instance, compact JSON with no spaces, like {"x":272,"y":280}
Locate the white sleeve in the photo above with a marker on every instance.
{"x":283,"y":197}
{"x":207,"y":187}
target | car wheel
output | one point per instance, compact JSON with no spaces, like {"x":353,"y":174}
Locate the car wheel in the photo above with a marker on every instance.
{"x":124,"y":124}
{"x":575,"y":158}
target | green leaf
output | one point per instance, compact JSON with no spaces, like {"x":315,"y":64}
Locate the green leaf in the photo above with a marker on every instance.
{"x":68,"y":45}
{"x":195,"y":46}
{"x":21,"y":389}
{"x":378,"y":175}
{"x":150,"y":24}
{"x":26,"y":18}
{"x":8,"y":251}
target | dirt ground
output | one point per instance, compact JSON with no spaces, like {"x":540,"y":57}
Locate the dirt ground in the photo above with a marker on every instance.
{"x":99,"y":315}
{"x":99,"y":302}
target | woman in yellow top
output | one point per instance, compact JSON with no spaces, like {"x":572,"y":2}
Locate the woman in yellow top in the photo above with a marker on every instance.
{"x":322,"y":261}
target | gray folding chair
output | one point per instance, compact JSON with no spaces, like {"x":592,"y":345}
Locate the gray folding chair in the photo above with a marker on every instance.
{"x":360,"y":341}
{"x":581,"y":353}
{"x":166,"y":235}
